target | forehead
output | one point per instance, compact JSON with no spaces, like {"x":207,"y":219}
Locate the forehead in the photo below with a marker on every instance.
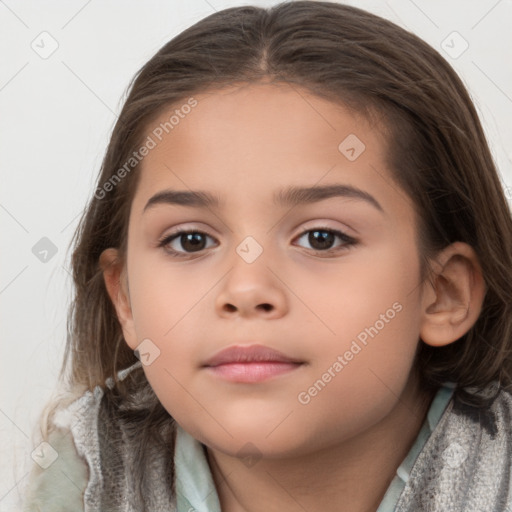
{"x":250,"y":140}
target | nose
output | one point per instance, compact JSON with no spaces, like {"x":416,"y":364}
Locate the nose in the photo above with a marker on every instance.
{"x":251,"y":290}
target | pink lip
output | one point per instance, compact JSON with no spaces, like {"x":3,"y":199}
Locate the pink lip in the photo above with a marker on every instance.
{"x":253,"y":363}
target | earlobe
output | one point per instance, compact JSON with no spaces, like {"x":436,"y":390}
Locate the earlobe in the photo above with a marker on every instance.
{"x":114,"y":275}
{"x":453,"y":300}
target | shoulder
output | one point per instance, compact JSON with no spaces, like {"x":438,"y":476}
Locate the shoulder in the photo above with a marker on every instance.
{"x":60,"y":473}
{"x":120,"y":441}
{"x":466,"y":459}
{"x":487,"y":411}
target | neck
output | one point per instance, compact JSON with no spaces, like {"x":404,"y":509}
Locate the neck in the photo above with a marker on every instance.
{"x":356,"y":472}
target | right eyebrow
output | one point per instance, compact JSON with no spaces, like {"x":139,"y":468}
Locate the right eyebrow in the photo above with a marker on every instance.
{"x":184,"y":198}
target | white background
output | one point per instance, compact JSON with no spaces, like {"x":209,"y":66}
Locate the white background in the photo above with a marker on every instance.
{"x":56,"y":115}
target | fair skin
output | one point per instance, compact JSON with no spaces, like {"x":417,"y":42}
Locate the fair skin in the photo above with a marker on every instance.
{"x":343,"y":446}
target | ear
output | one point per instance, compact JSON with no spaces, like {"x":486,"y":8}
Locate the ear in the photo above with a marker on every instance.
{"x":116,"y":282}
{"x":452,"y":300}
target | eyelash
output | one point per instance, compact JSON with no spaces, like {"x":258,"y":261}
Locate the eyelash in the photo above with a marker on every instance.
{"x":348,"y":241}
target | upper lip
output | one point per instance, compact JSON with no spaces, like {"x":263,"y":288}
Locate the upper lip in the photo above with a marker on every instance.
{"x":248,"y":354}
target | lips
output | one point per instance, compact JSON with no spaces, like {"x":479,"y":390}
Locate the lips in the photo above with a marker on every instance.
{"x":250,"y":364}
{"x":249,"y":354}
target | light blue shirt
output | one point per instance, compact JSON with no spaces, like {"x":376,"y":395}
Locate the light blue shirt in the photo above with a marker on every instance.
{"x":194,"y":481}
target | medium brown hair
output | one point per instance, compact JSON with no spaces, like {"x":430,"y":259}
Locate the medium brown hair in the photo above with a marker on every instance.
{"x":436,"y":150}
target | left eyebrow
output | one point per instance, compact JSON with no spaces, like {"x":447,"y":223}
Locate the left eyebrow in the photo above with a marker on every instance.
{"x":291,"y":196}
{"x":300,"y":195}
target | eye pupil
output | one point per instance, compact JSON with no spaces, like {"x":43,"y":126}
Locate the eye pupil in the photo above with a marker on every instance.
{"x":194,"y":239}
{"x":324,"y":238}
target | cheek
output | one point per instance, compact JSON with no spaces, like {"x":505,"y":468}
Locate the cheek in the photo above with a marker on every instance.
{"x":370,"y":313}
{"x":371,"y":295}
{"x":165,"y":295}
{"x":163,"y":306}
{"x":359,"y":371}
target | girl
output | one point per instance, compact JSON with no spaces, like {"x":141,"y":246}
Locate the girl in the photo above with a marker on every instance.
{"x":293,"y":283}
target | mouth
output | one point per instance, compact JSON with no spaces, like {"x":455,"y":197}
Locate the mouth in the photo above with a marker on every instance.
{"x":250,"y":364}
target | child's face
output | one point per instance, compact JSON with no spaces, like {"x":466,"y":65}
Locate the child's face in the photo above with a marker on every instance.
{"x":349,"y":313}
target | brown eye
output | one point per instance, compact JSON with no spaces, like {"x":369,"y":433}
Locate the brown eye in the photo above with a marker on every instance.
{"x":323,"y":239}
{"x":184,"y":242}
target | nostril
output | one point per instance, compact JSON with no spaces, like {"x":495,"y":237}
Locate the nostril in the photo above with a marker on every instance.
{"x":266,"y":307}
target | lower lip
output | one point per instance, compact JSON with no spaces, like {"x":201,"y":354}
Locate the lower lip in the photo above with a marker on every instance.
{"x":252,"y":372}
